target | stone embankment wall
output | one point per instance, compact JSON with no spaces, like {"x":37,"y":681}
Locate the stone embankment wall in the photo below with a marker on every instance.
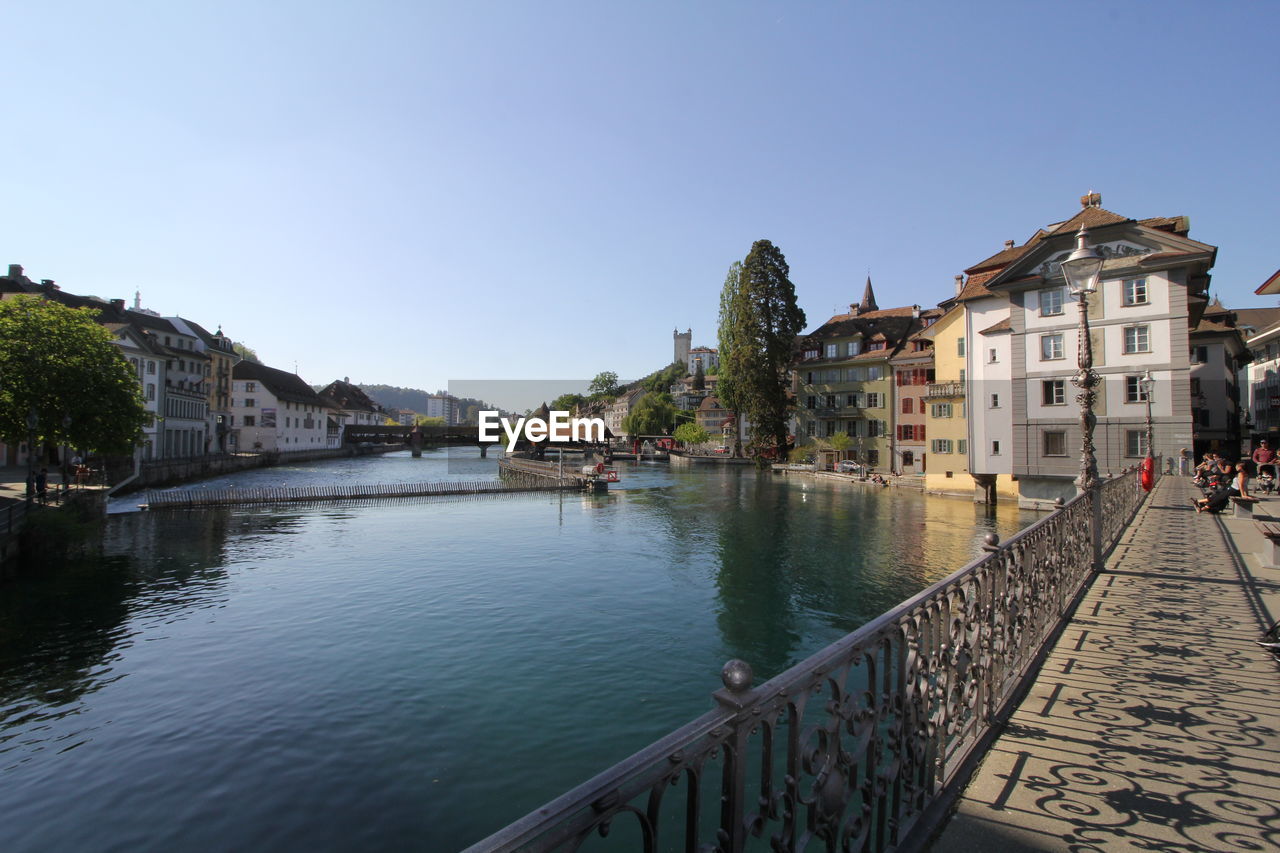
{"x":170,"y":472}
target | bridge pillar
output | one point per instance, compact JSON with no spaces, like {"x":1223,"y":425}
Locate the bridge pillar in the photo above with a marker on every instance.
{"x":484,"y":451}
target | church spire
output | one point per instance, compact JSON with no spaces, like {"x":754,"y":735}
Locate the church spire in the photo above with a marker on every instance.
{"x":868,"y":302}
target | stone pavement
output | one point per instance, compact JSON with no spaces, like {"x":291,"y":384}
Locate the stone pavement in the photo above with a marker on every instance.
{"x":1154,"y":723}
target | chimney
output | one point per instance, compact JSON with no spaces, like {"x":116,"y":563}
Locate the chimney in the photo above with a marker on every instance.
{"x":49,"y":284}
{"x":117,"y":304}
{"x":959,"y":284}
{"x":1091,"y":199}
{"x":15,"y":270}
{"x":915,"y":312}
{"x":1008,"y":244}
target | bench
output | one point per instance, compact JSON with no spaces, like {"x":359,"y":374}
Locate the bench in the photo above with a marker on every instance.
{"x":1243,"y":507}
{"x":1271,"y":532}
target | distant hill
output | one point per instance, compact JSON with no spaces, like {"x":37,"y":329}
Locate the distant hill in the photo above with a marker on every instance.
{"x":415,"y":399}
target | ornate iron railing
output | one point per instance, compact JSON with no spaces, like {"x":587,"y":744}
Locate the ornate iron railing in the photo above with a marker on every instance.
{"x":851,"y":748}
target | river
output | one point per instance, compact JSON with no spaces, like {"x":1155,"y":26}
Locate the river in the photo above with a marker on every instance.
{"x":416,"y":673}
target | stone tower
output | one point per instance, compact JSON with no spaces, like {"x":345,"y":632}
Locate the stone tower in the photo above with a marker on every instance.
{"x":684,"y":343}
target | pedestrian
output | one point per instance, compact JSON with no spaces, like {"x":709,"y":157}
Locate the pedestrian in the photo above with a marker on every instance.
{"x":1264,"y":455}
{"x":42,"y":485}
{"x":1184,"y":462}
{"x":1242,"y":478}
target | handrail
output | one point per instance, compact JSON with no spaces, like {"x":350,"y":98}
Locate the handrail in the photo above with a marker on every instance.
{"x":895,"y":710}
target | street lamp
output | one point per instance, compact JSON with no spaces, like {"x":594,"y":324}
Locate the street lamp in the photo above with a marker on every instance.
{"x":1148,"y":385}
{"x":1081,"y":269}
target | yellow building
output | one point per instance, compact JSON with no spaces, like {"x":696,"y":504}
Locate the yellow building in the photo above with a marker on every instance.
{"x":947,"y":408}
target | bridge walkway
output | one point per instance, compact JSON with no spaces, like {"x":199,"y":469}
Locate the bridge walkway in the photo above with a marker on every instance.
{"x":1153,"y":724}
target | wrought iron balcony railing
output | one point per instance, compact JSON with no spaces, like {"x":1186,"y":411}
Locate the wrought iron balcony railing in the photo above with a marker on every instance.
{"x":854,"y":748}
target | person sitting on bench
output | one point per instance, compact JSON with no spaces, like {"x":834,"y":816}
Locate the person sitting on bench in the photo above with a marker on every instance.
{"x":1219,"y":495}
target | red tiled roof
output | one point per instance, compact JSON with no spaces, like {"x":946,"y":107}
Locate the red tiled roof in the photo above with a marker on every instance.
{"x":1002,"y":326}
{"x":974,"y":289}
{"x":1089,"y":217}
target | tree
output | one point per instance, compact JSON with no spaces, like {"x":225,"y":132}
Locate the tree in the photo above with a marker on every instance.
{"x":567,"y":402}
{"x":426,"y":421}
{"x":604,"y":385}
{"x":246,"y":352}
{"x":692,"y":434}
{"x":59,"y":364}
{"x":761,"y":318}
{"x":699,"y":378}
{"x":733,"y":344}
{"x":651,"y":415}
{"x":840,"y":442}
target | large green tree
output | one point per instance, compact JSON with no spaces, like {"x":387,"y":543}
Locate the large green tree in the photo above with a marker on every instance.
{"x":689,"y":433}
{"x":759,"y":322}
{"x":733,"y":344}
{"x":567,"y":402}
{"x":604,"y":385}
{"x":651,"y":415}
{"x":61,"y":366}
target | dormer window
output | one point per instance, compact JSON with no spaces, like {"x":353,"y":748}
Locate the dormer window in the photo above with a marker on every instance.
{"x":810,"y":353}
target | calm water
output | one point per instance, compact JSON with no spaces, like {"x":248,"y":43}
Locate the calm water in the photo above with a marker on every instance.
{"x":415,"y":674}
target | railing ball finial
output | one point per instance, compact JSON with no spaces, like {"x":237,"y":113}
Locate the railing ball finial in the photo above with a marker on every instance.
{"x":737,"y":676}
{"x":991,"y":542}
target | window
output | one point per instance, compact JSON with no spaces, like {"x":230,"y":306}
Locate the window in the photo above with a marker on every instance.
{"x":992,"y":356}
{"x":831,"y":350}
{"x":941,"y":445}
{"x":810,"y":353}
{"x":995,"y":401}
{"x":1055,"y":392}
{"x":1195,"y":387}
{"x":1206,"y":417}
{"x":962,"y":446}
{"x":1135,"y":442}
{"x":873,"y":457}
{"x":908,"y":458}
{"x":250,"y":387}
{"x":853,"y":348}
{"x":1199,"y":355}
{"x":1135,"y":291}
{"x":151,"y":367}
{"x":906,"y":432}
{"x":995,"y":448}
{"x":875,"y":429}
{"x":940,"y":410}
{"x":249,"y":420}
{"x":831,"y":401}
{"x":1051,"y":302}
{"x":1137,"y":339}
{"x":907,"y":405}
{"x":875,"y":400}
{"x":151,"y":390}
{"x":1051,"y":347}
{"x":249,"y":403}
{"x":1133,"y":389}
{"x":811,"y":429}
{"x":830,"y":428}
{"x":875,"y":373}
{"x":1055,"y":443}
{"x":960,"y":346}
{"x":851,"y":400}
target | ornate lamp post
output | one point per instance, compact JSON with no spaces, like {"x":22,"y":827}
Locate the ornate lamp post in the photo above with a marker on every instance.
{"x":1148,"y":385}
{"x":1081,"y":269}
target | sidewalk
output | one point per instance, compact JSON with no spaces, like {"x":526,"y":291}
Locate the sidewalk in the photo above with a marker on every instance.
{"x":1153,"y":724}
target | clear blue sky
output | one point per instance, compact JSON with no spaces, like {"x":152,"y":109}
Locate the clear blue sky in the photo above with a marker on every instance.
{"x":409,"y":193}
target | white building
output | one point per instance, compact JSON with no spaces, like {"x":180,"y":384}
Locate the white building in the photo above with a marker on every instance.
{"x":1150,"y":292}
{"x":272,"y":410}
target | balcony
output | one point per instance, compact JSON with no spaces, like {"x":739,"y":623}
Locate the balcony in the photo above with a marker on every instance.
{"x":937,"y":390}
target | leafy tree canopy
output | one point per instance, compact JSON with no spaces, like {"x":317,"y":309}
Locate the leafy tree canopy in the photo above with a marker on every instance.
{"x":246,"y":352}
{"x":59,"y":364}
{"x":423,"y":420}
{"x":662,"y":380}
{"x":692,"y":434}
{"x":651,"y":415}
{"x":567,"y":402}
{"x":604,"y":385}
{"x":759,"y":321}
